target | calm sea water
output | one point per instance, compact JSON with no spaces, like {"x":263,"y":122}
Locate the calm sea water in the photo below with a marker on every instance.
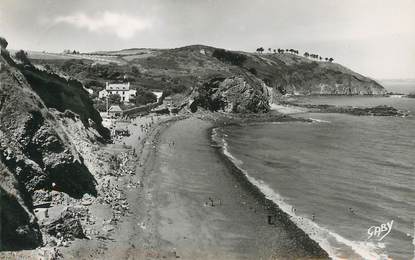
{"x":349,"y":172}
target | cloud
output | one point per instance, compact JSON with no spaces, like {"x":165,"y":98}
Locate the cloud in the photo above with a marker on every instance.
{"x":122,"y":25}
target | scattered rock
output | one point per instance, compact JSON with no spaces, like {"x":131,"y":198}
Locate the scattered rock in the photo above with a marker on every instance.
{"x":68,"y":224}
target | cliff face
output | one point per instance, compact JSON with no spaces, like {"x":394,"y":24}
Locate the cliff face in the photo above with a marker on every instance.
{"x":189,"y":71}
{"x":293,"y":74}
{"x":36,"y":151}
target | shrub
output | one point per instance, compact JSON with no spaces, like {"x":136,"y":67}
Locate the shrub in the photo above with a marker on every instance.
{"x":3,"y":43}
{"x":229,"y":57}
{"x":114,"y":99}
{"x":174,"y":89}
{"x":143,"y":97}
{"x":253,"y":71}
{"x":22,"y":56}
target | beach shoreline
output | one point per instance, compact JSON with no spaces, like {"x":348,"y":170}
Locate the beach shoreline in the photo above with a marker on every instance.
{"x":187,"y":199}
{"x":252,"y":234}
{"x":301,"y":238}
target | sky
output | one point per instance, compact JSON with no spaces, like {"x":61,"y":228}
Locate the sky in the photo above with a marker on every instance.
{"x":373,"y":37}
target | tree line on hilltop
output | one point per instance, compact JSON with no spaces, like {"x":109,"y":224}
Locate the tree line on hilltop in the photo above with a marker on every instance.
{"x":260,"y":50}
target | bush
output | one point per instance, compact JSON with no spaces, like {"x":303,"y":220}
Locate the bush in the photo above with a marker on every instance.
{"x":3,"y":43}
{"x":229,"y":57}
{"x":114,"y":99}
{"x":174,"y":89}
{"x":22,"y":56}
{"x":143,"y":97}
{"x":253,"y":71}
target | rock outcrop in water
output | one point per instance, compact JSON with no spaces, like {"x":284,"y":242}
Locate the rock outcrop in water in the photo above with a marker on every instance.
{"x":381,"y":110}
{"x":36,"y":152}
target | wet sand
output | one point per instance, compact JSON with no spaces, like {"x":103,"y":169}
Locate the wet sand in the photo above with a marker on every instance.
{"x":192,"y":203}
{"x":201,"y":209}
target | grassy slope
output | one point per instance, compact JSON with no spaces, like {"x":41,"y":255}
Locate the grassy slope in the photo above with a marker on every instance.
{"x":187,"y":66}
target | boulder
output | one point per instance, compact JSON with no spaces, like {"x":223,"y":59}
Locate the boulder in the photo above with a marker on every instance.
{"x":67,"y":225}
{"x":231,"y":94}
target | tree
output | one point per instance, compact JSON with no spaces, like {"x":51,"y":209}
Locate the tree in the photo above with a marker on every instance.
{"x":100,"y":105}
{"x":253,"y":71}
{"x":269,"y":49}
{"x":326,"y":59}
{"x":144,"y":97}
{"x":3,"y":43}
{"x":22,"y":56}
{"x":306,"y":54}
{"x":114,"y":99}
{"x":135,"y":70}
{"x":275,"y":51}
{"x":230,"y":57}
{"x":260,"y":49}
{"x":331,"y":59}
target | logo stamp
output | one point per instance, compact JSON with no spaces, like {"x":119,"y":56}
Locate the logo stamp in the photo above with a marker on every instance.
{"x":380,"y":232}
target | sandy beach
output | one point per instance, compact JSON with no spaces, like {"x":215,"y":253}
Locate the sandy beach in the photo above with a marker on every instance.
{"x":205,"y":211}
{"x":192,"y":205}
{"x":185,"y":200}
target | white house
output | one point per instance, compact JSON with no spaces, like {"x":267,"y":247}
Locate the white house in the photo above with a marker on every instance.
{"x":122,"y":89}
{"x":158,"y":94}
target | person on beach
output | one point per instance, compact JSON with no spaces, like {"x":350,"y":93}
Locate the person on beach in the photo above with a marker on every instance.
{"x":211,"y":202}
{"x":270,"y":220}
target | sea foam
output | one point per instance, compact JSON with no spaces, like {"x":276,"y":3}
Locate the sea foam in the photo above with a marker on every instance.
{"x":326,"y":238}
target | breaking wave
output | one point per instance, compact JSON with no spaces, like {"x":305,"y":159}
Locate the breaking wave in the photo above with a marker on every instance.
{"x":327,"y":239}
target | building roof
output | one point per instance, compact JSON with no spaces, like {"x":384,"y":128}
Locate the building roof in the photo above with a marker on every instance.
{"x":115,"y":109}
{"x":158,"y":94}
{"x":118,"y":86}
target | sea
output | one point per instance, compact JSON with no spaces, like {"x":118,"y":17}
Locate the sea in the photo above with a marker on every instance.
{"x":347,"y":181}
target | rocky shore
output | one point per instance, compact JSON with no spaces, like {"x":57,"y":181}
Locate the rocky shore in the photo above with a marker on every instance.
{"x":165,"y":192}
{"x":381,"y":110}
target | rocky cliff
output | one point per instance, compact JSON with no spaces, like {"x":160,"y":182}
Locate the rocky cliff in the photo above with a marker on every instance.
{"x":36,"y":151}
{"x":232,"y":94}
{"x":192,"y":71}
{"x":293,"y":74}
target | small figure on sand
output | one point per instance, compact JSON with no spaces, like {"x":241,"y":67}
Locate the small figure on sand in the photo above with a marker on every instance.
{"x":272,"y":219}
{"x":211,"y":202}
{"x":351,"y":210}
{"x":313,"y":216}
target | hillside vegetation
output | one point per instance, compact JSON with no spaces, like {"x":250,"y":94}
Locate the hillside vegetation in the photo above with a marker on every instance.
{"x":184,"y":70}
